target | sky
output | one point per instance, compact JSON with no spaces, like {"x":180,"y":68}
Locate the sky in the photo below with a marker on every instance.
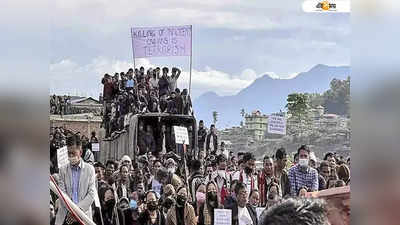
{"x":234,"y":41}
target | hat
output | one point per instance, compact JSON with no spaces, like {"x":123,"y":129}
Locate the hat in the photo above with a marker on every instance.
{"x":170,"y":161}
{"x":126,"y":158}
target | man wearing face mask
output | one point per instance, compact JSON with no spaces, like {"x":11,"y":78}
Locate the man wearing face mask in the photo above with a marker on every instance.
{"x":221,"y":178}
{"x":247,"y":176}
{"x":302,"y":174}
{"x":77,"y":180}
{"x":171,"y":165}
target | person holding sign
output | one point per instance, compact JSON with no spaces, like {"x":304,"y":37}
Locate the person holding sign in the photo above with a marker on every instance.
{"x":242,"y":212}
{"x":206,"y":211}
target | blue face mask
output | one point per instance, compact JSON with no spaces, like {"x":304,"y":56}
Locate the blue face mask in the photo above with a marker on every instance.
{"x":133,"y":204}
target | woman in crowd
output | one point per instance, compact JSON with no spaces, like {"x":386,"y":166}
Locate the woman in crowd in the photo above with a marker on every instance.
{"x":273,"y":195}
{"x":123,"y":182}
{"x":182,"y":213}
{"x":254,"y":198}
{"x":151,"y":214}
{"x":200,"y":197}
{"x":110,"y":214}
{"x":206,"y":214}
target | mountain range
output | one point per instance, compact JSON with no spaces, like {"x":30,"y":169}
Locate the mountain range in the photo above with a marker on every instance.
{"x":265,"y":94}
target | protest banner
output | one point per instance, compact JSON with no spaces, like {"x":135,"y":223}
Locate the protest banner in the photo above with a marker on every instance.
{"x":181,"y":135}
{"x":62,"y":156}
{"x":222,"y":217}
{"x":162,"y":41}
{"x":77,"y":213}
{"x":277,"y":124}
{"x":95,"y":147}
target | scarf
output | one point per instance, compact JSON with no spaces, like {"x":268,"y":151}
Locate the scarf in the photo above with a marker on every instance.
{"x":207,"y":216}
{"x":263,"y":184}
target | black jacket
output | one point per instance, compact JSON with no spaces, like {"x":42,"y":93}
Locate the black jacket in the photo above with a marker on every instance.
{"x":215,"y":142}
{"x":144,"y":218}
{"x":235,"y":218}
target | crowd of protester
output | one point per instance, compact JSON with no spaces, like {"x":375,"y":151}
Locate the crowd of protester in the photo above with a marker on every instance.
{"x":59,"y":105}
{"x":167,"y":189}
{"x":139,"y":91}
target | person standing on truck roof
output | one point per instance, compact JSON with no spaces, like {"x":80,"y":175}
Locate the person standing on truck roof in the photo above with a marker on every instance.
{"x":163,"y":83}
{"x":201,"y":136}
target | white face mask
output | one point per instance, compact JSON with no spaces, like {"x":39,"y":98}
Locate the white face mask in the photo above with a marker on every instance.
{"x":303,"y":162}
{"x":73,"y":160}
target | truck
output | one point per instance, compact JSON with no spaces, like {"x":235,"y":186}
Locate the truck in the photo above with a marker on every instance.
{"x":126,"y":143}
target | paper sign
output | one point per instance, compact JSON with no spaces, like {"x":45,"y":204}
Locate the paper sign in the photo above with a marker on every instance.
{"x":95,"y":147}
{"x":181,"y":135}
{"x":259,"y":211}
{"x":277,"y":124}
{"x":62,"y":156}
{"x":222,"y":217}
{"x":162,"y":41}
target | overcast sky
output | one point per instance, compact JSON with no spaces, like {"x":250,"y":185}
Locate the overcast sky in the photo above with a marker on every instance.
{"x":234,"y":41}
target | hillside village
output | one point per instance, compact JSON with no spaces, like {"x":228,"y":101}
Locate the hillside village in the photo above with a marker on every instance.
{"x":326,"y":132}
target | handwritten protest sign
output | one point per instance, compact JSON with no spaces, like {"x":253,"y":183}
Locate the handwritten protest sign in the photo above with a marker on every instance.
{"x":222,"y":217}
{"x":181,"y":135}
{"x":95,"y":147}
{"x":62,"y":156}
{"x":162,"y":41}
{"x":277,"y":124}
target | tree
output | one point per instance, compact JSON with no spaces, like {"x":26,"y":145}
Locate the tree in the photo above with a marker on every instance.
{"x":337,"y":98}
{"x":298,"y":106}
{"x":215,"y":117}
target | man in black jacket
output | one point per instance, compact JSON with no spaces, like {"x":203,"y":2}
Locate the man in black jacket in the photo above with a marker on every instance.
{"x":201,"y":135}
{"x":212,"y":141}
{"x":242,"y":212}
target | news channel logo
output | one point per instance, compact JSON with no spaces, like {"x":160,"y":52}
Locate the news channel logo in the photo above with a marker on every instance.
{"x":322,"y":6}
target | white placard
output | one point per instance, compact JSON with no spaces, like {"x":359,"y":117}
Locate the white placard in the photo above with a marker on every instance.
{"x":162,"y":41}
{"x":277,"y":124}
{"x":181,"y":135}
{"x":259,"y":211}
{"x":95,"y":147}
{"x":222,"y":217}
{"x":62,"y":156}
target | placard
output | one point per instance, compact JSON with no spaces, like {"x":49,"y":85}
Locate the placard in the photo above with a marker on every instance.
{"x":222,"y":217}
{"x":277,"y":124}
{"x":181,"y":135}
{"x":62,"y":156}
{"x":162,"y":41}
{"x":95,"y":147}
